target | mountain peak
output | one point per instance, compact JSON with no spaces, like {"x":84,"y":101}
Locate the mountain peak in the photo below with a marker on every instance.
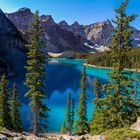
{"x":63,"y":23}
{"x":21,"y":12}
{"x":75,"y":23}
{"x":24,"y":9}
{"x":47,"y":18}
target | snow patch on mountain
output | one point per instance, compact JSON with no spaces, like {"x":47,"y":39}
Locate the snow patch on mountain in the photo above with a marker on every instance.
{"x":86,"y":44}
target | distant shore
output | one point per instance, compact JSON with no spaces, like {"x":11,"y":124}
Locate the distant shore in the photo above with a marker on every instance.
{"x":101,"y":67}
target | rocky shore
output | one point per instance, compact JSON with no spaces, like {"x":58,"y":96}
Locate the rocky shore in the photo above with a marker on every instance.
{"x":8,"y":135}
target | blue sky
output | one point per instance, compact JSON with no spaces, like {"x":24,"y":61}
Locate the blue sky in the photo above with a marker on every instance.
{"x":83,"y":11}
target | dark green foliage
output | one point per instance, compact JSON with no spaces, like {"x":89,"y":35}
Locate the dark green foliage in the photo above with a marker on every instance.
{"x":5,"y":112}
{"x":104,"y":59}
{"x":15,"y":110}
{"x":73,"y":114}
{"x":68,"y":115}
{"x":121,"y":99}
{"x":97,"y":118}
{"x":68,"y":124}
{"x":100,"y":59}
{"x":36,"y":73}
{"x":97,"y":88}
{"x":120,"y":105}
{"x":82,"y":126}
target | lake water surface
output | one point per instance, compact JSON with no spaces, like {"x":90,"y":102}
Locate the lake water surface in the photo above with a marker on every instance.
{"x":63,"y":77}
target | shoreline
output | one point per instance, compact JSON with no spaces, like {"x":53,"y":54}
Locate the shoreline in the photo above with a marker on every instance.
{"x":45,"y":136}
{"x":101,"y":67}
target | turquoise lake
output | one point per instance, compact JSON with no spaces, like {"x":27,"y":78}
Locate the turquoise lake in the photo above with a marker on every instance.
{"x":63,"y":77}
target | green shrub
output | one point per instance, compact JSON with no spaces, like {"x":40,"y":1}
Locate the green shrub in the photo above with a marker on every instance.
{"x":121,"y":134}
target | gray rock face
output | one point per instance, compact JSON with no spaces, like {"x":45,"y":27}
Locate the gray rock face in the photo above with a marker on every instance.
{"x":58,"y":39}
{"x":22,"y":18}
{"x":99,"y":33}
{"x":64,"y":25}
{"x":64,"y":37}
{"x":12,"y":48}
{"x":136,"y":125}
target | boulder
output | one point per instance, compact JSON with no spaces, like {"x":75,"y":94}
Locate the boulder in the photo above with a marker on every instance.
{"x":136,"y":125}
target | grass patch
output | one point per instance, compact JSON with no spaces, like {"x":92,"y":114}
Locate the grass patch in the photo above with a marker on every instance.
{"x":121,"y":134}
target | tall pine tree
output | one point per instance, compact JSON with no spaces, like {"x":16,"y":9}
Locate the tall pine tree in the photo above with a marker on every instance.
{"x":36,"y":73}
{"x":15,"y":110}
{"x":5,"y":112}
{"x":97,"y":118}
{"x":73,"y":114}
{"x":82,"y":126}
{"x":68,"y":115}
{"x":98,"y":93}
{"x":120,"y":101}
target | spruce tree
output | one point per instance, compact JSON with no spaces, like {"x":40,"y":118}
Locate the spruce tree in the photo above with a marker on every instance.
{"x":121,"y":104}
{"x":82,"y":126}
{"x":36,"y":74}
{"x":68,"y":115}
{"x":15,"y":110}
{"x":97,"y":118}
{"x":97,"y":92}
{"x":73,"y":114}
{"x":5,"y":112}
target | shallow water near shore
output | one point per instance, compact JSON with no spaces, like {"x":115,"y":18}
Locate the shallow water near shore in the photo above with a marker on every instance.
{"x":63,"y":77}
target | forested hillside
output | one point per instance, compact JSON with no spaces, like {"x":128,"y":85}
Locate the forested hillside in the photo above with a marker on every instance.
{"x":103,"y":58}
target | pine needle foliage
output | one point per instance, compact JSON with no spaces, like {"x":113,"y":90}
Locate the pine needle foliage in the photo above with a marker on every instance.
{"x":82,"y":126}
{"x":35,"y":75}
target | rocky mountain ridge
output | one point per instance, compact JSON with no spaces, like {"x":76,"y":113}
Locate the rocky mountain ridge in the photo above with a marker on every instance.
{"x":58,"y":39}
{"x":99,"y":33}
{"x":11,"y":45}
{"x":64,"y":37}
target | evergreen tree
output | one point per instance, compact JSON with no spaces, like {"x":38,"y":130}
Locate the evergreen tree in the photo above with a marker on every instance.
{"x":35,"y":74}
{"x":73,"y":114}
{"x":98,"y":93}
{"x":120,"y":103}
{"x":97,"y":118}
{"x":82,"y":125}
{"x":5,"y":112}
{"x":63,"y":128}
{"x":68,"y":115}
{"x":15,"y":110}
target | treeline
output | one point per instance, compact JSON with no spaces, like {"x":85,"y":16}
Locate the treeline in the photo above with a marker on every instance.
{"x":104,"y":59}
{"x":10,"y":106}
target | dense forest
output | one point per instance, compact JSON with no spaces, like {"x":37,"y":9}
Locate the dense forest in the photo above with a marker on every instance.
{"x":104,"y":59}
